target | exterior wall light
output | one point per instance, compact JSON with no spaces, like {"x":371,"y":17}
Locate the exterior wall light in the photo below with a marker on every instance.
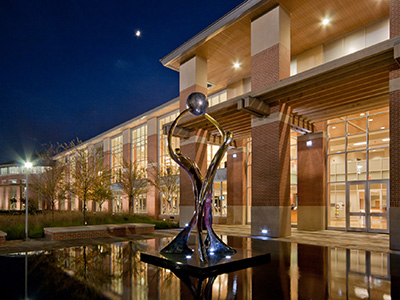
{"x":309,"y":143}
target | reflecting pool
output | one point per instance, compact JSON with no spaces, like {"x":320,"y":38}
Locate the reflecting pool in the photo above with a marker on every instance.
{"x":115,"y":271}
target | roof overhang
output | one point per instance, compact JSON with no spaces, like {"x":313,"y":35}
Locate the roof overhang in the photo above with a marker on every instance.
{"x":353,"y":83}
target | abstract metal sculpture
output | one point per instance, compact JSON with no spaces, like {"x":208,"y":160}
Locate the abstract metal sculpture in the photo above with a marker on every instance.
{"x":212,"y":245}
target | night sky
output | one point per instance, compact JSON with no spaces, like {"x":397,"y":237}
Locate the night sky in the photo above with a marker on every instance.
{"x":75,"y":68}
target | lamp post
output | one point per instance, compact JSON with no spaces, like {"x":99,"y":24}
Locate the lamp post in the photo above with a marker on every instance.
{"x":28,"y":166}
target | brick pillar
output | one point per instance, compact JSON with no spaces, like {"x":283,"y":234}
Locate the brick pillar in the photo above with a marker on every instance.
{"x":192,"y":78}
{"x":126,"y":156}
{"x":270,"y":48}
{"x":107,"y":206}
{"x":394,"y":117}
{"x":236,"y":184}
{"x":194,"y":147}
{"x":311,"y":156}
{"x":153,"y":196}
{"x":270,"y":209}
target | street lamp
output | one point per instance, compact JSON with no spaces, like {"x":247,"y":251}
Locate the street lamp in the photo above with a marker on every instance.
{"x":28,"y":166}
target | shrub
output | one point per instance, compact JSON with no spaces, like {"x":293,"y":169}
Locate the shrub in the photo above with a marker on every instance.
{"x":14,"y":225}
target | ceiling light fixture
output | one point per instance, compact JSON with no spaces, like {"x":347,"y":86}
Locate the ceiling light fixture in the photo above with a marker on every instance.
{"x":325,"y":21}
{"x":236,"y":65}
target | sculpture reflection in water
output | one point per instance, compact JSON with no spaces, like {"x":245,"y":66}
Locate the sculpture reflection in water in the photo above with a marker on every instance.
{"x":212,"y":246}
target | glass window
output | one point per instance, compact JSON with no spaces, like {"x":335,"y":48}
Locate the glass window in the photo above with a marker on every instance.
{"x":167,"y":165}
{"x":139,"y":146}
{"x":141,"y":204}
{"x":211,"y":151}
{"x":336,"y":145}
{"x":117,"y":201}
{"x":357,"y":126}
{"x":357,"y":166}
{"x":337,"y":167}
{"x":219,"y":202}
{"x":116,"y":157}
{"x":378,"y":163}
{"x":217,"y":98}
{"x":337,"y":129}
{"x":165,"y":160}
{"x":379,"y":138}
{"x":336,"y":205}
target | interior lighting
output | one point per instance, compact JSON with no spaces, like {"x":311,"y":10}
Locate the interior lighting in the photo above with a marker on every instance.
{"x":385,"y":140}
{"x":236,"y":65}
{"x":228,"y":257}
{"x":234,"y":155}
{"x":370,"y":120}
{"x":309,"y":143}
{"x":264,"y":231}
{"x":187,"y":224}
{"x":360,"y":143}
{"x":325,"y":21}
{"x":188,"y":256}
{"x":362,"y":114}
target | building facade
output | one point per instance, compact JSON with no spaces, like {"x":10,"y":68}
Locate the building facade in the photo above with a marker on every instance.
{"x":310,"y":90}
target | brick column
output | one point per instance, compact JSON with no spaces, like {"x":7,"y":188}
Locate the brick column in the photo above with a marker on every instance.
{"x":311,"y":156}
{"x":270,"y":209}
{"x":192,"y":78}
{"x":394,"y":116}
{"x":270,"y":48}
{"x":126,"y":156}
{"x":236,"y":184}
{"x":107,"y":206}
{"x":194,"y":147}
{"x":153,"y":196}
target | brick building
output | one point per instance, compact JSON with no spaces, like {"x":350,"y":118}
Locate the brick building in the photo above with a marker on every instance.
{"x":310,"y":90}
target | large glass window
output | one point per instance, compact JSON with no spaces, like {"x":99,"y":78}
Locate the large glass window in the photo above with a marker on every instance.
{"x":248,"y":179}
{"x":167,"y":166}
{"x":293,"y":175}
{"x":358,"y":150}
{"x":139,"y":146}
{"x":117,"y":201}
{"x":217,"y":98}
{"x":116,"y":157}
{"x":219,"y":188}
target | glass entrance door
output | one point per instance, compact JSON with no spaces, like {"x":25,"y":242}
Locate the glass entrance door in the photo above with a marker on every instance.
{"x":367,"y":206}
{"x":356,"y":207}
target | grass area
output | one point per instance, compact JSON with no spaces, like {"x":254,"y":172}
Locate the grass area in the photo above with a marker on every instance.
{"x":14,"y":225}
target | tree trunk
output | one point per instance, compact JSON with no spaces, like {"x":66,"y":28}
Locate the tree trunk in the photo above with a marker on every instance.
{"x":131,"y":204}
{"x":84,"y":210}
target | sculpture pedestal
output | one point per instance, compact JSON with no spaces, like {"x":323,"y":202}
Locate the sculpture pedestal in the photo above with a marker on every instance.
{"x":187,"y":266}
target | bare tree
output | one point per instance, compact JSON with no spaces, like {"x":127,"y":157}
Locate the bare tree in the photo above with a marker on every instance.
{"x":133,"y":181}
{"x":50,"y":185}
{"x":166,"y":181}
{"x":87,"y":175}
{"x":102,"y":189}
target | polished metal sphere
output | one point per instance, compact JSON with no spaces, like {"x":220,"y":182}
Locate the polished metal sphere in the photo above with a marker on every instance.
{"x":197,"y":103}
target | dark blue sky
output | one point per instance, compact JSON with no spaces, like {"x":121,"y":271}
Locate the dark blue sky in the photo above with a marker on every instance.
{"x":74,"y":68}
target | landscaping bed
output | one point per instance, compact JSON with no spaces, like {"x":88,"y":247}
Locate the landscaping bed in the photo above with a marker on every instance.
{"x":14,"y":225}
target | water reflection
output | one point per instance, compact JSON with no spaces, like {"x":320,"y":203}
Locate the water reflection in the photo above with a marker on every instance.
{"x":114,"y":271}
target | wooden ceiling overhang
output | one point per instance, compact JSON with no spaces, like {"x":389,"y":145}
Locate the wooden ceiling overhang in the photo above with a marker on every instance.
{"x":228,"y":40}
{"x":353,"y":83}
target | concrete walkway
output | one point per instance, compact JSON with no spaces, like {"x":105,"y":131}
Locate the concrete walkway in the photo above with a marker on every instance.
{"x":330,"y":238}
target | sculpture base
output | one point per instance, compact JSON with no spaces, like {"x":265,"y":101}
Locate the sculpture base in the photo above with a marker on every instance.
{"x":190,"y":265}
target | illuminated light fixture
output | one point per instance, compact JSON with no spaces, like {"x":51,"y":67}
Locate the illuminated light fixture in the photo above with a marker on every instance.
{"x":383,"y":127}
{"x":228,"y":257}
{"x":234,"y":155}
{"x":211,"y":253}
{"x":188,"y":256}
{"x":236,"y":65}
{"x":370,"y":120}
{"x":309,"y":143}
{"x":325,"y":21}
{"x":187,"y":224}
{"x":264,"y":231}
{"x":334,"y":127}
{"x":362,"y":114}
{"x":360,"y":143}
{"x":138,"y":33}
{"x":385,"y":140}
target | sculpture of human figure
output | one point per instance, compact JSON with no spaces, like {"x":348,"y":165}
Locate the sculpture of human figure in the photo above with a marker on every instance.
{"x":202,"y":189}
